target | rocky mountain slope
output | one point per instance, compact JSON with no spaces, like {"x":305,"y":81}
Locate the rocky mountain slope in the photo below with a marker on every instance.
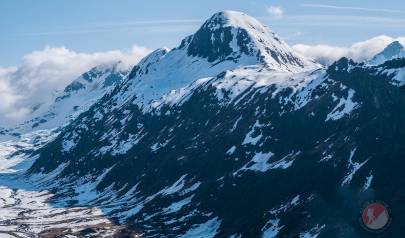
{"x":233,"y":134}
{"x":76,"y":98}
{"x":26,"y":210}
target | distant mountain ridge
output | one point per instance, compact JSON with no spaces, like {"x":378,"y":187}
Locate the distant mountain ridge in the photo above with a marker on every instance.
{"x":395,"y":50}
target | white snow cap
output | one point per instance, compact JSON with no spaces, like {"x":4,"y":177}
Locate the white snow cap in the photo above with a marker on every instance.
{"x":395,"y":50}
{"x":236,"y":35}
{"x":235,"y":19}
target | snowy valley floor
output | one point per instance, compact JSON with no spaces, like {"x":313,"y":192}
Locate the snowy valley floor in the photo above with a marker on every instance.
{"x":27,"y":212}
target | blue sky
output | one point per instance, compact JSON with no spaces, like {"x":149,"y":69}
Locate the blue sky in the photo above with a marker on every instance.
{"x":101,"y":25}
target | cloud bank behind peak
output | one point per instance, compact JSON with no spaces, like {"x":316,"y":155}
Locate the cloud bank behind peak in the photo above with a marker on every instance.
{"x":359,"y":51}
{"x":43,"y":73}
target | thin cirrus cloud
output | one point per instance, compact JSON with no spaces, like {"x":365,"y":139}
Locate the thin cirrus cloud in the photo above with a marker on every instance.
{"x":44,"y":72}
{"x":153,"y":25}
{"x":338,"y":20}
{"x":311,"y":5}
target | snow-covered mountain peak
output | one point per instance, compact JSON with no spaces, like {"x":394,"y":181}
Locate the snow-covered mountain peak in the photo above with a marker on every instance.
{"x":234,"y":19}
{"x":235,"y":36}
{"x":394,"y":50}
{"x":228,"y":40}
{"x":98,"y":77}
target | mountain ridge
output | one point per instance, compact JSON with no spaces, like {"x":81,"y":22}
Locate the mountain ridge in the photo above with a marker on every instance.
{"x":231,"y":144}
{"x":394,"y":50}
{"x":68,"y":104}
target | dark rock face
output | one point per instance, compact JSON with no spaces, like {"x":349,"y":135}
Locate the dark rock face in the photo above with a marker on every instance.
{"x":312,"y":158}
{"x":75,"y":86}
{"x":213,"y":41}
{"x":232,"y":35}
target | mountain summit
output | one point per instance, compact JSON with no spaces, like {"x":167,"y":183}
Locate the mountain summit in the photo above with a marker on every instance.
{"x":232,"y":35}
{"x":394,"y":50}
{"x":228,"y":40}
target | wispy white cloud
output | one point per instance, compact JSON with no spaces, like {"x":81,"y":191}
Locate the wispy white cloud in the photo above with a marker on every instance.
{"x":43,"y":72}
{"x":338,"y":20}
{"x":311,"y":5}
{"x":144,"y":23}
{"x":275,"y":11}
{"x":175,"y":25}
{"x":360,"y":51}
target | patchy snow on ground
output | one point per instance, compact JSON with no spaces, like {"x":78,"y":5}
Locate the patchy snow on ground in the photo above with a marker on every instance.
{"x":368,"y":181}
{"x":260,"y":162}
{"x":177,"y":206}
{"x":231,"y":150}
{"x":237,"y":83}
{"x":205,"y":230}
{"x":399,"y":78}
{"x":252,"y":138}
{"x":343,"y":108}
{"x":26,"y":210}
{"x":29,"y":212}
{"x":272,"y":228}
{"x":313,"y":233}
{"x":353,"y":168}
